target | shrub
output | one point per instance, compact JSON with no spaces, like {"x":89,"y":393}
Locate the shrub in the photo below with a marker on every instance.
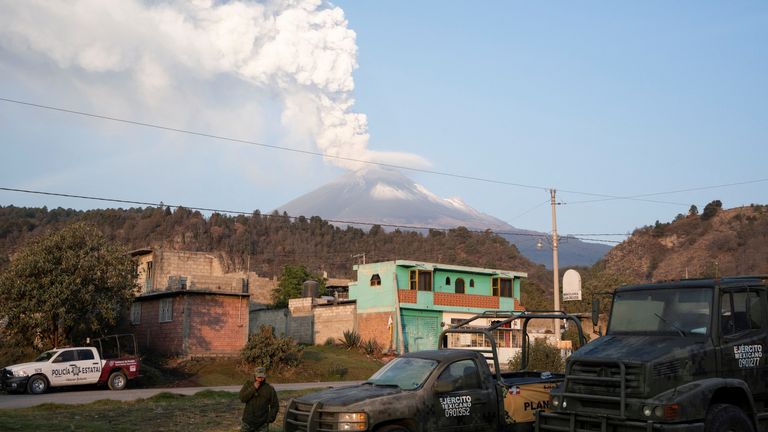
{"x":350,"y":340}
{"x":270,"y":351}
{"x":541,"y":357}
{"x":337,"y":371}
{"x":370,"y":347}
{"x":330,"y":341}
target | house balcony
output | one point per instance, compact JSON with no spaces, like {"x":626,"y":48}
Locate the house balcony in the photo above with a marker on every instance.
{"x":452,"y":301}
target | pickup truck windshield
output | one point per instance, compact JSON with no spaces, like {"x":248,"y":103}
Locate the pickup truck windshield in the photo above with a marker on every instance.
{"x":684,"y":312}
{"x":408,"y":373}
{"x":45,"y":356}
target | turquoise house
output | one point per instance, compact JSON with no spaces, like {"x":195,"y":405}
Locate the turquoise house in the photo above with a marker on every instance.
{"x":404,"y":305}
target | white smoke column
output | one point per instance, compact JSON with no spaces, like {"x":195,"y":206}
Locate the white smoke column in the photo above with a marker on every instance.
{"x":300,"y":51}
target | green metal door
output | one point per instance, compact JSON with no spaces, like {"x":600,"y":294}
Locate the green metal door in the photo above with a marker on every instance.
{"x":421,"y":330}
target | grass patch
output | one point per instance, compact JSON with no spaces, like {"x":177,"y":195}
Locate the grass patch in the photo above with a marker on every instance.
{"x":320,"y":363}
{"x":205,"y":411}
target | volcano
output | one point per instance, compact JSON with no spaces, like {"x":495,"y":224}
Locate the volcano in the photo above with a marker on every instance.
{"x":383,"y":196}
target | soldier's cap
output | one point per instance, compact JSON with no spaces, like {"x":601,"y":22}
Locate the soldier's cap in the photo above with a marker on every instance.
{"x":260,"y":372}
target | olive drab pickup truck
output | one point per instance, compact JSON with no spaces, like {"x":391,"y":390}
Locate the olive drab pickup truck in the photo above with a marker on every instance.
{"x":111,"y":360}
{"x":446,"y":389}
{"x":687,"y":355}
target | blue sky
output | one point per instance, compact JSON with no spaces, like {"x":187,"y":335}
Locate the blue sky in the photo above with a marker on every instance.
{"x":611,"y":98}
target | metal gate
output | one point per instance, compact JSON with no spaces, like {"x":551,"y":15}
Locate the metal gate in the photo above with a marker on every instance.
{"x":421,"y":330}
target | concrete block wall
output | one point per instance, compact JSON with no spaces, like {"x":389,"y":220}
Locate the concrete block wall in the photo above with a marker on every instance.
{"x":330,"y":321}
{"x":261,"y":288}
{"x":276,"y":318}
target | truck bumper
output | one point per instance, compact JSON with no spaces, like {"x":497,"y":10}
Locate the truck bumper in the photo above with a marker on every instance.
{"x":13,"y":384}
{"x":561,"y":422}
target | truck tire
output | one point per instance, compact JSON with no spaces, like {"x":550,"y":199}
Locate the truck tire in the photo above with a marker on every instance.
{"x":727,"y":418}
{"x":392,"y":428}
{"x":37,"y":384}
{"x":117,"y":381}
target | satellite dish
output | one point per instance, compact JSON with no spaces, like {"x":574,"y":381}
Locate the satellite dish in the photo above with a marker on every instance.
{"x":571,"y":285}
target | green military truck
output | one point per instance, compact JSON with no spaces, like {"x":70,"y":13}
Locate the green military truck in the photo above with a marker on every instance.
{"x":677,"y":356}
{"x":446,"y":389}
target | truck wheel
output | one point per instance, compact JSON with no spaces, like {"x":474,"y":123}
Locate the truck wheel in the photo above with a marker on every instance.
{"x":727,"y":418}
{"x":38,"y":384}
{"x":392,"y":428}
{"x":117,"y":381}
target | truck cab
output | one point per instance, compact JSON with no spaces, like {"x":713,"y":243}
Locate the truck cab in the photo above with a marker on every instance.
{"x":679,"y":355}
{"x":438,"y":390}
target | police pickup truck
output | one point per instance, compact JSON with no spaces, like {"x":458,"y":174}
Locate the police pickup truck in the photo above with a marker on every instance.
{"x":110,"y":360}
{"x":686,"y":355}
{"x":439,"y":390}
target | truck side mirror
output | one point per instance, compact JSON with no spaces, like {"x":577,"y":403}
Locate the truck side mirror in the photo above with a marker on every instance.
{"x":595,"y":311}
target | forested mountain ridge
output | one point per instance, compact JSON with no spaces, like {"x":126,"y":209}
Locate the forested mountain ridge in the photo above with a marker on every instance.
{"x":266,"y":243}
{"x":716,"y":242}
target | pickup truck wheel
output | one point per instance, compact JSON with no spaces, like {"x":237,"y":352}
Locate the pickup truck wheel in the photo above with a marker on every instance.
{"x":392,"y":428}
{"x":727,"y":418}
{"x":117,"y":381}
{"x":38,"y":384}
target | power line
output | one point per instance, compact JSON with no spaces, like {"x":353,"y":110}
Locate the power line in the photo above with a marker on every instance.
{"x":604,"y":197}
{"x":237,"y":212}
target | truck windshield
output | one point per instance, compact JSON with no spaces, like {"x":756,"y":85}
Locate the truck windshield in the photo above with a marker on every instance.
{"x":683,"y":312}
{"x":45,"y":356}
{"x":407,"y":373}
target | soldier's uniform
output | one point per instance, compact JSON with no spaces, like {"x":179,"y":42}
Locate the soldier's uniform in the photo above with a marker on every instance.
{"x":261,"y":405}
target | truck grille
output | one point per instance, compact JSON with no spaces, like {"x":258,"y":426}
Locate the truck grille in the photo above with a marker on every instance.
{"x":604,"y":386}
{"x":303,"y":417}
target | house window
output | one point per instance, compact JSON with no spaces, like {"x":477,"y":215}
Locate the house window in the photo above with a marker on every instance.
{"x":166,"y":310}
{"x":459,"y":289}
{"x":376,"y":280}
{"x":447,"y":281}
{"x":136,"y":313}
{"x":502,"y":287}
{"x":182,"y":282}
{"x":420,"y":280}
{"x":148,"y":277}
{"x":471,"y":283}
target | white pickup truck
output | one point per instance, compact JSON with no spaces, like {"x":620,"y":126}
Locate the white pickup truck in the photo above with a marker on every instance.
{"x":110,"y":360}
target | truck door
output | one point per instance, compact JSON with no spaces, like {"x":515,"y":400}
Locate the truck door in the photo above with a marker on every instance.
{"x":743,"y":345}
{"x":89,"y":365}
{"x":461,"y":402}
{"x":63,"y":368}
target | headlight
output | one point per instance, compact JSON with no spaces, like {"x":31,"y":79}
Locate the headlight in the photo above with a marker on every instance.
{"x":20,"y":373}
{"x":647,"y":411}
{"x":357,"y":421}
{"x":555,"y":402}
{"x":565,"y":403}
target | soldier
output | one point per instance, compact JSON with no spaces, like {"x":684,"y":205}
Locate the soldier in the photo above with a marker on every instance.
{"x":260,"y":401}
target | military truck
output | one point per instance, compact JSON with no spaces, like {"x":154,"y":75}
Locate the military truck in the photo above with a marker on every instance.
{"x":677,"y":356}
{"x":446,"y":389}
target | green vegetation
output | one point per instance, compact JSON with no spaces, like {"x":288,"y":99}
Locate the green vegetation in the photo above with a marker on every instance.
{"x":205,"y":411}
{"x":268,"y":350}
{"x":541,"y":357}
{"x":290,"y":284}
{"x":65,"y":286}
{"x":351,"y":339}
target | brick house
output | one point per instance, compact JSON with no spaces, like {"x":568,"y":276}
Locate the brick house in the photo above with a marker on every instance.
{"x":404,"y":305}
{"x":188,"y":305}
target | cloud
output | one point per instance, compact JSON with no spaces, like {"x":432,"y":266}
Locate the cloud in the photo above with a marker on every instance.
{"x":199,"y":62}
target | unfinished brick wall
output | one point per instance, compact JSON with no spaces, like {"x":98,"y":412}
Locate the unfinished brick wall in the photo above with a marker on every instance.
{"x":374,"y":326}
{"x":218,"y":325}
{"x":160,"y":337}
{"x":201,"y":325}
{"x":466,"y":300}
{"x":301,"y":320}
{"x":332,"y":320}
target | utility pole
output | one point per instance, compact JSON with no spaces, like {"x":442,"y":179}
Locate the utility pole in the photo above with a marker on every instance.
{"x":555,"y":270}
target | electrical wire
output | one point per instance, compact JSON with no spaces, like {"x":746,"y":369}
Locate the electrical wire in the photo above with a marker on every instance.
{"x":603,"y":197}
